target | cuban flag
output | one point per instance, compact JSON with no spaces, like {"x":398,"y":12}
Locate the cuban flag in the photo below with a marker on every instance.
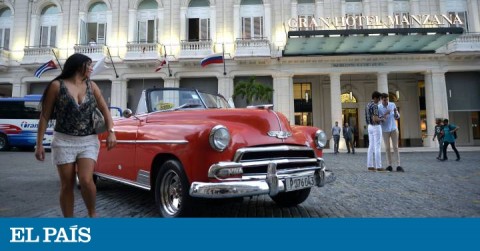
{"x":212,"y":59}
{"x":50,"y":65}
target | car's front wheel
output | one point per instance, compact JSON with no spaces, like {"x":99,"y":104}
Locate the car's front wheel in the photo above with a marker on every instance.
{"x":293,"y":198}
{"x":171,"y":190}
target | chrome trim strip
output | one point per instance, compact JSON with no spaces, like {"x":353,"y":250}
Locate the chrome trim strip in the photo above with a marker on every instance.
{"x":240,"y":152}
{"x":143,"y":178}
{"x":180,"y":141}
{"x":124,"y":181}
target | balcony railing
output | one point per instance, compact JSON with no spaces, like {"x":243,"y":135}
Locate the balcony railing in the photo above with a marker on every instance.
{"x":138,"y":51}
{"x":464,"y":43}
{"x":4,"y":58}
{"x":94,"y":51}
{"x":252,"y":47}
{"x":38,"y":55}
{"x":195,"y":49}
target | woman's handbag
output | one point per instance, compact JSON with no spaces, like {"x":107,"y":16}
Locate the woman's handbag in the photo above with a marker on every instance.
{"x":98,"y":121}
{"x":99,"y":124}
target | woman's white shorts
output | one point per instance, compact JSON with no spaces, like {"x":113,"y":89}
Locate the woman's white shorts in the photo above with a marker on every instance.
{"x":67,"y":148}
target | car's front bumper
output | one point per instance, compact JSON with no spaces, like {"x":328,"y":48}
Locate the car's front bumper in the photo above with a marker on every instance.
{"x":272,"y":183}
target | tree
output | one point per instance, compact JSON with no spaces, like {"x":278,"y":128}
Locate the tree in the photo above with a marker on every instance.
{"x":251,"y":90}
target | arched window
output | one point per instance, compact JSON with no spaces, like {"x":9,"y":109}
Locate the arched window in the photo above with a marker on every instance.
{"x":48,"y":26}
{"x":5,"y":27}
{"x":147,"y":22}
{"x":94,"y":29}
{"x":198,"y":16}
{"x":252,"y":15}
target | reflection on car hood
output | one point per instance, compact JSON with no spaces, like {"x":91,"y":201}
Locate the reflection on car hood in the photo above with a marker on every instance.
{"x":251,"y":126}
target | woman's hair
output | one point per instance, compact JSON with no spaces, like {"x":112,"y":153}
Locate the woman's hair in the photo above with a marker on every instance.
{"x":75,"y":63}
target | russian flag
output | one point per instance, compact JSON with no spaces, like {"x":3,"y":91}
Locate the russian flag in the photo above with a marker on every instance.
{"x":212,"y":59}
{"x":50,"y":65}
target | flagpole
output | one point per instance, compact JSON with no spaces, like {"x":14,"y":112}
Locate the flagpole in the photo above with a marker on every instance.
{"x":166,"y":60}
{"x":59,"y":65}
{"x":223,"y":55}
{"x":111,"y":60}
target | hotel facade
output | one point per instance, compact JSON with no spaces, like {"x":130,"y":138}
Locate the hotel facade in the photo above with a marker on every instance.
{"x":323,"y":58}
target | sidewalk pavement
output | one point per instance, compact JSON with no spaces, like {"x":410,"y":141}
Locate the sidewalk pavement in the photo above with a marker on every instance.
{"x":413,"y":149}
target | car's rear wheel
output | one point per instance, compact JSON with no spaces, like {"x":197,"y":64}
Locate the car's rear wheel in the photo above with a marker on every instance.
{"x":3,"y":142}
{"x":293,"y":198}
{"x":171,"y":190}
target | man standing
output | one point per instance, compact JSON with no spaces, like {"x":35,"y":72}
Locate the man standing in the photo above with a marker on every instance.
{"x":450,"y":132}
{"x":348,"y":136}
{"x":336,"y":137}
{"x":374,"y":133}
{"x":365,"y":136}
{"x":388,"y":110}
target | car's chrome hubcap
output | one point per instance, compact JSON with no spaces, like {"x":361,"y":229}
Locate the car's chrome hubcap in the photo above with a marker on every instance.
{"x":171,"y":192}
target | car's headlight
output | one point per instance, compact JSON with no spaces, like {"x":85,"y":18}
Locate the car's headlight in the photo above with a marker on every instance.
{"x":219,"y":138}
{"x":320,"y":139}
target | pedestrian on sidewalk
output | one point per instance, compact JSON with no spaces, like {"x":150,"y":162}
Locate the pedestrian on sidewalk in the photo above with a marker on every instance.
{"x":450,"y":135}
{"x":388,"y":110}
{"x":336,"y":137}
{"x":70,"y":99}
{"x":373,"y":119}
{"x":348,"y":136}
{"x":439,"y":135}
{"x":365,"y":136}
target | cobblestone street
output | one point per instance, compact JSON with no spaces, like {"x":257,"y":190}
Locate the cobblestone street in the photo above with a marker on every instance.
{"x":428,"y":188}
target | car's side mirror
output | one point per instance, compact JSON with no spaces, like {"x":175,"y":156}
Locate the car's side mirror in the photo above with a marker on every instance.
{"x":127,"y":113}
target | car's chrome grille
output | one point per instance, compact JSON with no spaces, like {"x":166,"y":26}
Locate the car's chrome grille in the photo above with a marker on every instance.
{"x":256,"y":159}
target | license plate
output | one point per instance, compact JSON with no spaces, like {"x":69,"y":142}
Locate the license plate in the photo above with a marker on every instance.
{"x":297,"y":183}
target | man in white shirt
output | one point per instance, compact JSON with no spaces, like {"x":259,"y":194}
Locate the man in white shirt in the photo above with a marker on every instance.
{"x":390,"y":113}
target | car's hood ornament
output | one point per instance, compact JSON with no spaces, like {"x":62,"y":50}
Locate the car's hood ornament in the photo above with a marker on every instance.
{"x":279,"y":134}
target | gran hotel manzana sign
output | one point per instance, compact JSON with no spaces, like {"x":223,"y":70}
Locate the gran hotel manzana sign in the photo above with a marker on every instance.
{"x":421,"y":20}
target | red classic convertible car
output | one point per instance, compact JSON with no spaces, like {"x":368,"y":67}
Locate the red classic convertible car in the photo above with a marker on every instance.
{"x":183,"y":143}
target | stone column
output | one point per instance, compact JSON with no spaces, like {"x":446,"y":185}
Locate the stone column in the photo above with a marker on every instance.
{"x":119,"y":94}
{"x":382,"y":82}
{"x":225,"y":86}
{"x":414,"y":10}
{"x":430,"y":109}
{"x":236,"y":22}
{"x":170,"y":82}
{"x":474,"y":25}
{"x":19,"y":89}
{"x":283,"y":95}
{"x":131,"y":24}
{"x":336,"y":103}
{"x":319,"y":6}
{"x":268,"y":21}
{"x":440,"y":98}
{"x":183,"y":22}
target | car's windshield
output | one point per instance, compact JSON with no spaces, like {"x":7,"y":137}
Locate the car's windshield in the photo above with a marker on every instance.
{"x":173,"y":99}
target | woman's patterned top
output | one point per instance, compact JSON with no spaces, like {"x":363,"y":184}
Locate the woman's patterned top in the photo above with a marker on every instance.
{"x":72,"y":118}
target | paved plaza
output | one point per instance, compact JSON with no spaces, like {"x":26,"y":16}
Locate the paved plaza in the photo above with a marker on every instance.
{"x":428,"y":188}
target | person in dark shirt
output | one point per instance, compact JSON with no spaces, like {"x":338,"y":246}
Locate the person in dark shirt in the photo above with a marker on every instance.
{"x":449,"y":132}
{"x":348,"y":136}
{"x":439,"y":135}
{"x":373,"y":119}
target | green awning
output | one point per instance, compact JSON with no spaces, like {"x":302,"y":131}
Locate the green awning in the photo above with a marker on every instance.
{"x":368,"y":41}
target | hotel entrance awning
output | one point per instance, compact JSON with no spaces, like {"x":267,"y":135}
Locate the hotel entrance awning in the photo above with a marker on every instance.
{"x":368,"y":41}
